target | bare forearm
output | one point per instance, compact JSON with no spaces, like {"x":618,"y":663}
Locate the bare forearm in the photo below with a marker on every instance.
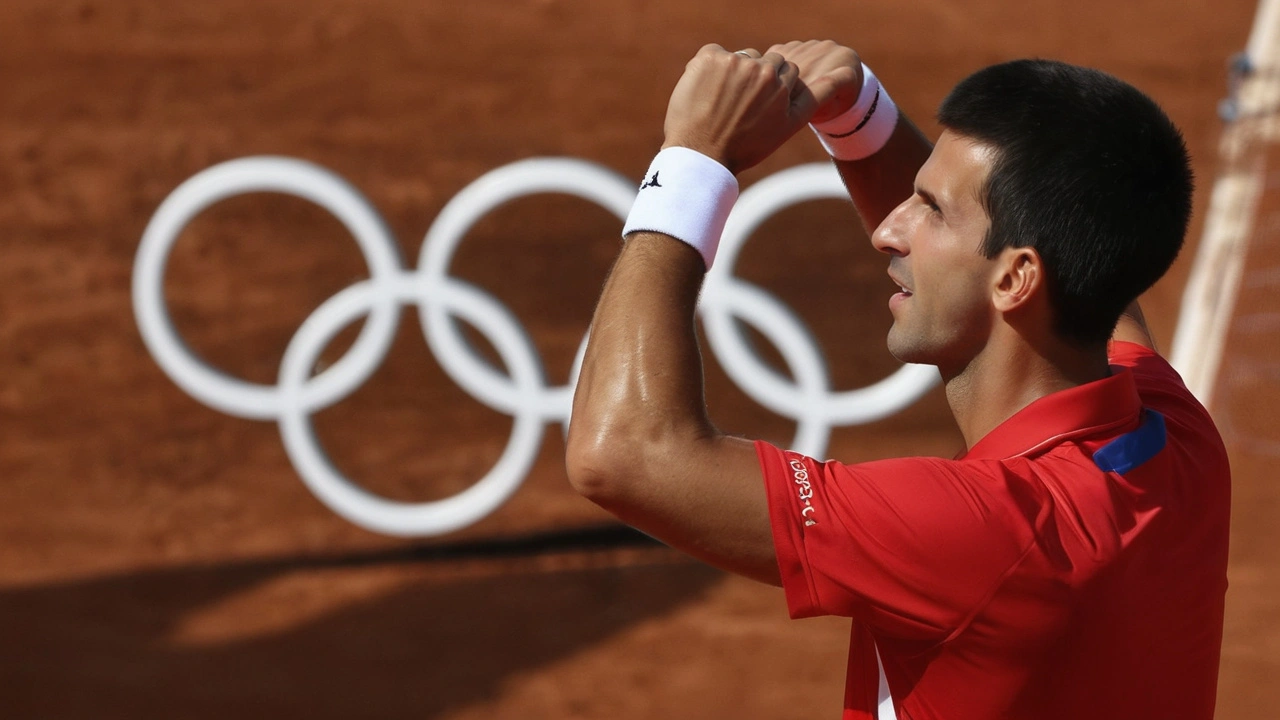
{"x":879,"y":183}
{"x":640,"y":444}
{"x":642,"y":373}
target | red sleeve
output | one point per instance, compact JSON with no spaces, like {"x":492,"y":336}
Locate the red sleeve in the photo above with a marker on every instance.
{"x":913,"y":547}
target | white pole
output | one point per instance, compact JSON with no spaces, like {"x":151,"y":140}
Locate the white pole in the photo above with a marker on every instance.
{"x":1210,"y":295}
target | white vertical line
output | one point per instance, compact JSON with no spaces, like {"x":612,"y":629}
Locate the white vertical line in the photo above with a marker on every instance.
{"x":1209,"y":299}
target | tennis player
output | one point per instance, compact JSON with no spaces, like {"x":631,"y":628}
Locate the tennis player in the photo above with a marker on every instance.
{"x":1071,"y":563}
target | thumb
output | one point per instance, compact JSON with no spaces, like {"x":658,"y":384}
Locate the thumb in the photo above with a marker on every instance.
{"x":835,"y":92}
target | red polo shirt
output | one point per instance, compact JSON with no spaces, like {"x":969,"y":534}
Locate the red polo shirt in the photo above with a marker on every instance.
{"x":1071,"y":565}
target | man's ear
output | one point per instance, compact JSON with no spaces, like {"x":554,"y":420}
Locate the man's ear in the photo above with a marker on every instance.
{"x":1020,"y":278}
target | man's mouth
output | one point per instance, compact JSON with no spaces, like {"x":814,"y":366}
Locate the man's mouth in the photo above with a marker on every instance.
{"x":901,"y":286}
{"x":903,"y":293}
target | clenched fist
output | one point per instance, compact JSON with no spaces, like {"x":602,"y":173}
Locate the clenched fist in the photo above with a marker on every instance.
{"x":737,"y":108}
{"x":830,"y":72}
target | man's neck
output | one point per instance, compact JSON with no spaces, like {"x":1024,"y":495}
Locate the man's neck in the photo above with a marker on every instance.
{"x":1010,"y":374}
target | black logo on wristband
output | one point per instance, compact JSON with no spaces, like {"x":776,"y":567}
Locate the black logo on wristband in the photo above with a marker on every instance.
{"x":651,"y":182}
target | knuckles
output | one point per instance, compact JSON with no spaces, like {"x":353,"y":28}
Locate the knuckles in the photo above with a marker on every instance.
{"x":804,"y":54}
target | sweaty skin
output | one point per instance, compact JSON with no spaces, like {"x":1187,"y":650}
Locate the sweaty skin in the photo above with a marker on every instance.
{"x":640,"y":443}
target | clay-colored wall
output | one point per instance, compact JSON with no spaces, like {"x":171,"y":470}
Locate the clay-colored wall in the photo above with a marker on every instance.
{"x":159,"y":558}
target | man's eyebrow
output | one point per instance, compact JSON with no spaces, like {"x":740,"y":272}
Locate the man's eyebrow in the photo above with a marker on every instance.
{"x":928,"y":196}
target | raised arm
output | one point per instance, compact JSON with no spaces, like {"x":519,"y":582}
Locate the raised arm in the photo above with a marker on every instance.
{"x":640,"y":443}
{"x":881,"y":182}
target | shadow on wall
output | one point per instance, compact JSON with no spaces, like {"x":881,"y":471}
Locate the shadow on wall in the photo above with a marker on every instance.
{"x":428,"y":641}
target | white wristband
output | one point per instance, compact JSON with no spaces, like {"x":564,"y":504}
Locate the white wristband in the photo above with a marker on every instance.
{"x":686,"y":195}
{"x":863,"y":129}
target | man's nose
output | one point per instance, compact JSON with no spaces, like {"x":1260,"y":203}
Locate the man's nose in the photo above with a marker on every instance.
{"x":889,"y":236}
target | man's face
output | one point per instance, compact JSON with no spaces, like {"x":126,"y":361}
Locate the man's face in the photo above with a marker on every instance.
{"x":934,"y":238}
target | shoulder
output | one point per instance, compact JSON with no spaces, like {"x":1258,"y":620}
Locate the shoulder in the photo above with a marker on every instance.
{"x":1161,"y":389}
{"x":1153,"y":375}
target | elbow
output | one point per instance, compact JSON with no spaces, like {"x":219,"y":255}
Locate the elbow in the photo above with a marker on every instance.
{"x":596,"y":463}
{"x":590,"y":468}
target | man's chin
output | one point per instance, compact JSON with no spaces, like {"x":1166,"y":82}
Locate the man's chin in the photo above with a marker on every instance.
{"x":905,"y":351}
{"x":907,"y":359}
{"x":901,"y":351}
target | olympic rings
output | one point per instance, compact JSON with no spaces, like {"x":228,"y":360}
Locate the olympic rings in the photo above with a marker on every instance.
{"x":523,"y":393}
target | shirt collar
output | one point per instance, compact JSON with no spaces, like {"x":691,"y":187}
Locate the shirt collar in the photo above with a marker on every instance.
{"x":1107,"y":404}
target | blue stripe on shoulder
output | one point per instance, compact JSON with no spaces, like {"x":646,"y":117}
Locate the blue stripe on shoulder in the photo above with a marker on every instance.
{"x":1133,"y":448}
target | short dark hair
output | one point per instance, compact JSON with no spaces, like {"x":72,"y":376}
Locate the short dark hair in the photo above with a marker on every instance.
{"x":1089,"y":171}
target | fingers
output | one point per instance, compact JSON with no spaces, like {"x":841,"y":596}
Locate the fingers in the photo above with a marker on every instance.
{"x":838,"y":81}
{"x":819,"y":71}
{"x":831,"y":72}
{"x":739,"y":106}
{"x":815,"y":51}
{"x":788,"y":72}
{"x":787,"y":49}
{"x":736,"y":107}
